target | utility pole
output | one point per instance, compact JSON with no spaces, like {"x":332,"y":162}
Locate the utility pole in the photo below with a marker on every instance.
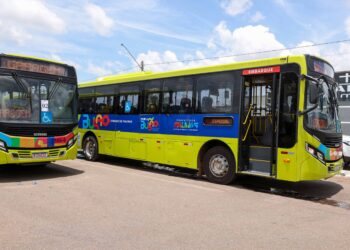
{"x":141,"y":66}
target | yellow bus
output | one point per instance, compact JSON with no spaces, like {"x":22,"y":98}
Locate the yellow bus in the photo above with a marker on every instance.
{"x":276,"y":118}
{"x":38,"y":110}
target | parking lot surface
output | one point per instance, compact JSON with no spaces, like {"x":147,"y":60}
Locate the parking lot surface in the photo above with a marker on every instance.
{"x":116,"y":204}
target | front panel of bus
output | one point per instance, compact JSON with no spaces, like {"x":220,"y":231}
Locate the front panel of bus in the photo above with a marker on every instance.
{"x":38,"y":111}
{"x":320,"y":140}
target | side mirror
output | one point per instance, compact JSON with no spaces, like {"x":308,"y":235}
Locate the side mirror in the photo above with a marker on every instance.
{"x":314,"y":94}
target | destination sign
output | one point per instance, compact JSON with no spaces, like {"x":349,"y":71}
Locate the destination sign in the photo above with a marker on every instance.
{"x":34,"y":66}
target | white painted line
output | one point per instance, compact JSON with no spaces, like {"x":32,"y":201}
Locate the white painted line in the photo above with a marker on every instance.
{"x":345,"y":122}
{"x":344,"y":107}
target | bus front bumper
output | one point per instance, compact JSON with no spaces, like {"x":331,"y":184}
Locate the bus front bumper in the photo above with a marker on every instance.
{"x":316,"y":170}
{"x":23,"y":156}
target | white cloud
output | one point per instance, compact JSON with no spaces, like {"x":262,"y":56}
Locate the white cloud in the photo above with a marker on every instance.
{"x":19,"y":15}
{"x":101,"y":23}
{"x":306,"y":47}
{"x":105,"y":68}
{"x":235,"y":7}
{"x":22,"y":20}
{"x":257,"y":17}
{"x":338,"y":56}
{"x":222,"y":43}
{"x":244,"y":40}
{"x":96,"y":70}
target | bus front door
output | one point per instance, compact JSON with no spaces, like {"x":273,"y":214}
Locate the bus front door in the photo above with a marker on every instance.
{"x":259,"y":124}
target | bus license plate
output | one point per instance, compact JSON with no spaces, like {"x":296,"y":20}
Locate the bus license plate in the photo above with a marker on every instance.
{"x":39,"y":155}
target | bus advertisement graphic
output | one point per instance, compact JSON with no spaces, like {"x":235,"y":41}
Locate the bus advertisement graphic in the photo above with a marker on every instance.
{"x":95,"y":122}
{"x":186,"y":124}
{"x":149,"y":124}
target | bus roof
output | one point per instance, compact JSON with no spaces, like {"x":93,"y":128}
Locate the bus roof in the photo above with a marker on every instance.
{"x":148,"y":75}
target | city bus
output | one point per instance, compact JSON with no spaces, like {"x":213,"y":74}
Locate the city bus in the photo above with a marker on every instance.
{"x":276,"y":118}
{"x":38,"y":110}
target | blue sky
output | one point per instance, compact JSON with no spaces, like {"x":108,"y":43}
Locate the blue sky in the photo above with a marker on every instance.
{"x":88,"y":34}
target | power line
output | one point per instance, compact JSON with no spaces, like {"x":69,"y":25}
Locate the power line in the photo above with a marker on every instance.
{"x":251,"y":53}
{"x":242,"y":54}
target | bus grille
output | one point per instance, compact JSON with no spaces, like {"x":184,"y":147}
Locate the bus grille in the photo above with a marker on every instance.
{"x":26,"y":154}
{"x":333,"y":142}
{"x":54,"y":152}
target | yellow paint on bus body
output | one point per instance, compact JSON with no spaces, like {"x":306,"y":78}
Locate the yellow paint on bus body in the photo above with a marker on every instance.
{"x":183,"y":151}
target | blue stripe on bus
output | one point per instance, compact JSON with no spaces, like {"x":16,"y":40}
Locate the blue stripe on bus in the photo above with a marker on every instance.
{"x":179,"y":124}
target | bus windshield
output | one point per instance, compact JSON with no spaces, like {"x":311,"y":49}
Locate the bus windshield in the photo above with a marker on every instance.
{"x":36,"y":101}
{"x":325,"y":116}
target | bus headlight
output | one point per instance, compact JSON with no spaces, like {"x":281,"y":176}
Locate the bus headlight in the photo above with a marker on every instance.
{"x":3,"y":146}
{"x":70,"y":143}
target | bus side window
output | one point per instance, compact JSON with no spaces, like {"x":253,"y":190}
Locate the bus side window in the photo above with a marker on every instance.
{"x":129,"y":99}
{"x":86,"y":100}
{"x":104,"y":104}
{"x":214,"y":93}
{"x":86,"y":105}
{"x":151,"y":95}
{"x":177,"y":96}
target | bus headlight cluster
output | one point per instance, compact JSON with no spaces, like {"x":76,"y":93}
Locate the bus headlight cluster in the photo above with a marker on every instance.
{"x":72,"y":141}
{"x":3,"y":146}
{"x":315,"y":152}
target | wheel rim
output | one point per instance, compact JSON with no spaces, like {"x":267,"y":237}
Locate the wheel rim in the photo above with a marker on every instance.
{"x":218,"y":165}
{"x":90,"y":149}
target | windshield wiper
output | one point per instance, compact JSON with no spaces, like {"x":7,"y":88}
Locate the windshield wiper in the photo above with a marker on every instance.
{"x":55,"y":88}
{"x":23,"y":87}
{"x":20,"y":83}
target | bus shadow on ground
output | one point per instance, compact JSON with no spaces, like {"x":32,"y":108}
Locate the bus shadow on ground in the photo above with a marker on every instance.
{"x":320,"y":191}
{"x":19,"y":173}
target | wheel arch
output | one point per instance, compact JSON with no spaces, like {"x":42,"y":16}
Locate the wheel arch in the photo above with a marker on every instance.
{"x":88,"y":133}
{"x":205,"y":147}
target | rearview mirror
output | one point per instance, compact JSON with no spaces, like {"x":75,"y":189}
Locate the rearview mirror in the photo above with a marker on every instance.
{"x":314,"y":94}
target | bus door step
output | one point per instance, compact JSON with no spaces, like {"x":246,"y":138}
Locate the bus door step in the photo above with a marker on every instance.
{"x":260,"y":153}
{"x":259,"y":165}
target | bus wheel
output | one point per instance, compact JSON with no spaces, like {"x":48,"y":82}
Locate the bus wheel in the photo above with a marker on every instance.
{"x":219,"y":165}
{"x":90,"y":147}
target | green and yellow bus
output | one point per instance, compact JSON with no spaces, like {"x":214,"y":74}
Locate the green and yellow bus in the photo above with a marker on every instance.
{"x":276,"y":118}
{"x":38,"y":110}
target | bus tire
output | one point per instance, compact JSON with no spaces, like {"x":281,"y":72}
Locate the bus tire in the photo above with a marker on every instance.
{"x":219,"y":165}
{"x":90,"y":148}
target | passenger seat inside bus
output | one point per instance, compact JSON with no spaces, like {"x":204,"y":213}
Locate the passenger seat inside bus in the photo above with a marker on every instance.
{"x":185,"y":106}
{"x":207,"y":104}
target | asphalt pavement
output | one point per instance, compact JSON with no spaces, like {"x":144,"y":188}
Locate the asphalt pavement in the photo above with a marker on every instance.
{"x":118,"y":204}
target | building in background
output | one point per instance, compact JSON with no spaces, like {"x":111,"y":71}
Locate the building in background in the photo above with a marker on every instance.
{"x":343,"y":78}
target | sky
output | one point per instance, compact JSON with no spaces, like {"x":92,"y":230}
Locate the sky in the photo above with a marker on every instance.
{"x":169,"y":35}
